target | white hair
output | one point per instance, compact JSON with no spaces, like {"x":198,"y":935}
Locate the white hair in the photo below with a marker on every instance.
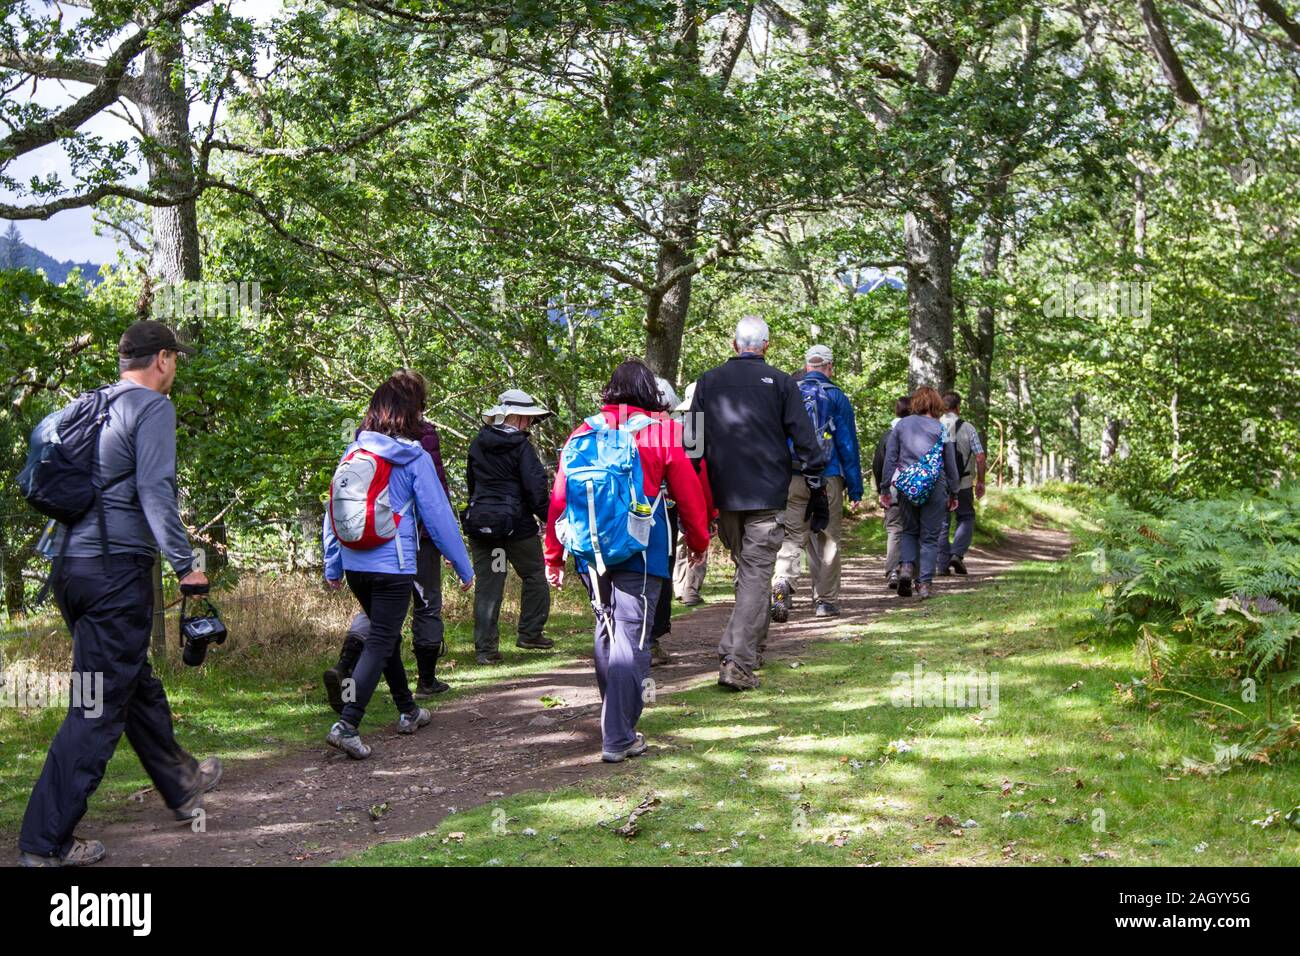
{"x":751,"y":332}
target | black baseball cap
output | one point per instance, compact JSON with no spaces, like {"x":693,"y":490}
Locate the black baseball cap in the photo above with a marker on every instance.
{"x":148,"y":337}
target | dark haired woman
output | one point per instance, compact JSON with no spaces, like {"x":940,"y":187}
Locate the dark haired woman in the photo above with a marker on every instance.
{"x":625,"y":596}
{"x":924,"y":524}
{"x":383,"y":577}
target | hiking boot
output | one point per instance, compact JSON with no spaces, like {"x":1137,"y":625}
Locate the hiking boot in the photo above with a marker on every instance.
{"x":489,"y":657}
{"x":732,"y":674}
{"x":892,"y":580}
{"x":691,"y":600}
{"x":905,"y":580}
{"x":658,"y":655}
{"x":535,"y":643}
{"x":413,"y":720}
{"x":826,"y":609}
{"x":209,"y":776}
{"x":958,"y":565}
{"x":336,"y":675}
{"x":81,"y":853}
{"x":426,"y":661}
{"x":780,"y":609}
{"x":618,"y":756}
{"x":923,"y":591}
{"x":944,"y":571}
{"x":343,"y":736}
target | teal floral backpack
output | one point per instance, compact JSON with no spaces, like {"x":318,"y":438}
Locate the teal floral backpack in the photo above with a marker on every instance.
{"x":916,"y":481}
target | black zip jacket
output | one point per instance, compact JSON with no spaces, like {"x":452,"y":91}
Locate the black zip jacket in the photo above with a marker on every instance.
{"x":503,"y":464}
{"x":746,"y":410}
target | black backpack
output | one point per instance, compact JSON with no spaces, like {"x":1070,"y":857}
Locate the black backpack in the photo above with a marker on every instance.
{"x":59,"y":477}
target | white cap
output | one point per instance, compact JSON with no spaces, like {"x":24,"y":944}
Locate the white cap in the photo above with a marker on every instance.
{"x":818,"y":355}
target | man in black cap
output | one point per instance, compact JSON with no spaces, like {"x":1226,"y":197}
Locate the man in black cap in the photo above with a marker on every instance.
{"x":108,"y":607}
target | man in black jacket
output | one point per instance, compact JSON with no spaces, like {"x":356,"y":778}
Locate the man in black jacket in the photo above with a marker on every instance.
{"x":508,"y":500}
{"x":744,"y":417}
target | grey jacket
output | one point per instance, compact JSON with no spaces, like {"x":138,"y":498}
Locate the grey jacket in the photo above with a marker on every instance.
{"x":908,"y":443}
{"x":139,"y":442}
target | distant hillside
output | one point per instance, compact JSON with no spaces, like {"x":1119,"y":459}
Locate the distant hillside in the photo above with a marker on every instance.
{"x":17,"y":254}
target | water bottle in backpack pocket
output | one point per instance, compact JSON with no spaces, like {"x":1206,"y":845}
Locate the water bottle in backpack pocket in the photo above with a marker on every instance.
{"x":607,"y":517}
{"x":361,"y":512}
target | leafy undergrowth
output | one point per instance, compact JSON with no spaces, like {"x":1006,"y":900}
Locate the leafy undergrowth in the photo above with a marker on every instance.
{"x":820,"y":766}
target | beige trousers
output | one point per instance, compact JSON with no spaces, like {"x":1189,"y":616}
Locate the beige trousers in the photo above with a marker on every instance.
{"x":823,"y":548}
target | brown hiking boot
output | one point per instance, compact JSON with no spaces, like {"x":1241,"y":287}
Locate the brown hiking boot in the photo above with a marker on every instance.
{"x":732,"y":674}
{"x":209,"y":776}
{"x":658,"y":655}
{"x":923,"y":591}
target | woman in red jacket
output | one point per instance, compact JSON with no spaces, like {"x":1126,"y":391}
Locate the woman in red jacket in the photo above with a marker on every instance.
{"x":624,"y":597}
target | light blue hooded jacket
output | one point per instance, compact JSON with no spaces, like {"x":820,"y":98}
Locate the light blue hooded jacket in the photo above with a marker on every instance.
{"x":413,"y":475}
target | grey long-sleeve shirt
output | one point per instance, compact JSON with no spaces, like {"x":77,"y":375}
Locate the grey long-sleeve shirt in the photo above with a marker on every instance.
{"x":908,"y":443}
{"x":139,"y":442}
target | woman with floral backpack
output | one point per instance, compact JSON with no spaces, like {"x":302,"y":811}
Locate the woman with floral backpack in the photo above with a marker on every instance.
{"x":383,"y":489}
{"x":921,"y":471}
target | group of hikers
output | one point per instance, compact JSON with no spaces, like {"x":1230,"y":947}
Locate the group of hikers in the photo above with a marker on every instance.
{"x":761,"y":458}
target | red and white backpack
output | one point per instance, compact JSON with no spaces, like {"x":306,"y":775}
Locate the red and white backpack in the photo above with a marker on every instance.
{"x":360,"y":511}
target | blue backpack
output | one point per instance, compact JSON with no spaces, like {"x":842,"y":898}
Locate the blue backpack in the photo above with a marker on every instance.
{"x":607,"y":517}
{"x":916,"y":481}
{"x":817,"y":403}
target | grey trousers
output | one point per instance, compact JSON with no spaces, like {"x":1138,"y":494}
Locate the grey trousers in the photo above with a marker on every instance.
{"x":893,"y":535}
{"x":624,"y":603}
{"x":687,"y":579}
{"x":491,"y":559}
{"x":753,"y":538}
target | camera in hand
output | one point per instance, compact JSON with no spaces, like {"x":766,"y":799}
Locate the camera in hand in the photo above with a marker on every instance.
{"x":201,"y":629}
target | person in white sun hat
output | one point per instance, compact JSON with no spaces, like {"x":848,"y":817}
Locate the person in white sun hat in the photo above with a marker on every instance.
{"x":508,"y":497}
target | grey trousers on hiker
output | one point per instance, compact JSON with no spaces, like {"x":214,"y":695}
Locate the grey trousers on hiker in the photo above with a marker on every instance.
{"x":753,"y":538}
{"x":964,"y":517}
{"x":823,"y":548}
{"x":923,"y":529}
{"x":688,"y":578}
{"x":624,"y":602}
{"x":893,"y":535}
{"x":491,"y":559}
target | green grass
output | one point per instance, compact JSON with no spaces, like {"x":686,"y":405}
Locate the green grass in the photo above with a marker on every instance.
{"x":1068,"y":769}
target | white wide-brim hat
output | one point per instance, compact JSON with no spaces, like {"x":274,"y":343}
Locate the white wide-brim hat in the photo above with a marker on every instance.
{"x":514,"y":401}
{"x":689,"y":397}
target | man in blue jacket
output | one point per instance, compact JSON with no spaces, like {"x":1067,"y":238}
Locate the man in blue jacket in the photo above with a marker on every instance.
{"x":837,"y":430}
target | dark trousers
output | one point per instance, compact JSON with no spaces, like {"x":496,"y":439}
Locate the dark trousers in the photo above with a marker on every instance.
{"x":663,"y":623}
{"x":385,"y":598}
{"x":964,"y":517}
{"x":624,"y":602}
{"x":110,"y":616}
{"x":426,"y":601}
{"x":490,"y":561}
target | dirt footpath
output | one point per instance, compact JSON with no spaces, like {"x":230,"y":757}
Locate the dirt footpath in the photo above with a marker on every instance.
{"x":314,"y":805}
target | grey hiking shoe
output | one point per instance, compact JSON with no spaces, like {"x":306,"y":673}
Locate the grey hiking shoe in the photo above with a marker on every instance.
{"x":489,"y":657}
{"x":344,"y":737}
{"x":412,"y":721}
{"x":81,"y":853}
{"x":892,"y":581}
{"x":781,"y":601}
{"x":691,"y":600}
{"x":923,"y":592}
{"x":209,"y":776}
{"x":827,"y":609}
{"x":618,"y":756}
{"x":732,"y":674}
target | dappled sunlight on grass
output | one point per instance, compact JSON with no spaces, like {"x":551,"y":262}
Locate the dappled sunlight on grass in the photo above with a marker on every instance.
{"x":805,"y":770}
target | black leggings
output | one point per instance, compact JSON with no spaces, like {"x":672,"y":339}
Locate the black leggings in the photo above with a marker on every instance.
{"x":385,"y":598}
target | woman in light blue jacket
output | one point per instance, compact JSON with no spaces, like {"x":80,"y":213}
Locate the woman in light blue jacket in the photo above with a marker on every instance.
{"x":383,"y":577}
